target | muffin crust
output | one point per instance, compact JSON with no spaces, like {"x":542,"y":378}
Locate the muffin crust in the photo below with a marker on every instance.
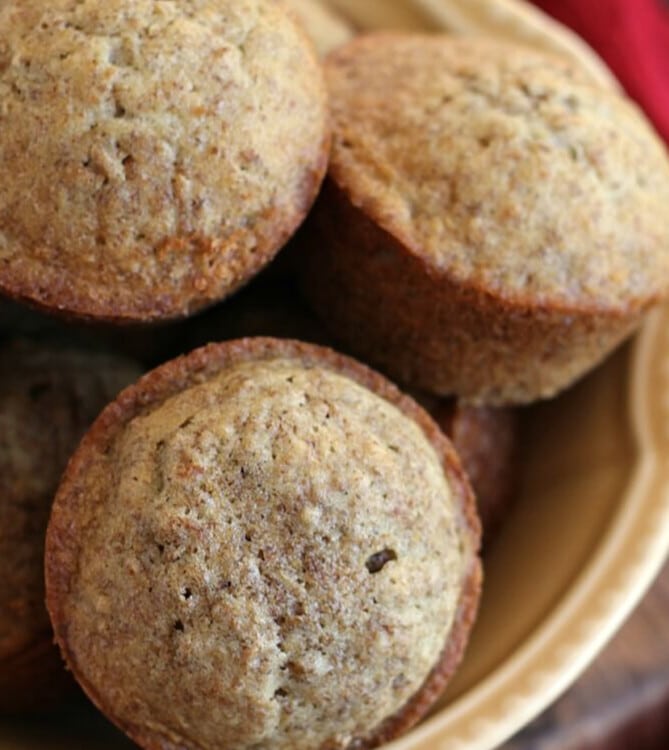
{"x":169,"y":149}
{"x":297,"y":566}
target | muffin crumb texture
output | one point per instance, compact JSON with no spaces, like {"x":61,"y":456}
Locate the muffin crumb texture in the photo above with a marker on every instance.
{"x":283,"y":559}
{"x":155,"y":155}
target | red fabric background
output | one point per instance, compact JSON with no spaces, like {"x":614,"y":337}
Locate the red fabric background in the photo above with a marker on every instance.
{"x":633,"y":37}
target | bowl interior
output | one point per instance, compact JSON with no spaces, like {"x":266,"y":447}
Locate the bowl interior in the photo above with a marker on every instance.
{"x":576,"y":457}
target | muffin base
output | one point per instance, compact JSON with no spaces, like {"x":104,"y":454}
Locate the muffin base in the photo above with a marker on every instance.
{"x":434,"y":333}
{"x":49,"y":290}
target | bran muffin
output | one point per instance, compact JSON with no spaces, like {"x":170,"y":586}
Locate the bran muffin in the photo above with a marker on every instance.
{"x":48,"y":398}
{"x":486,"y":440}
{"x":290,"y":554}
{"x":492,"y":225}
{"x":326,"y":28}
{"x":169,"y":150}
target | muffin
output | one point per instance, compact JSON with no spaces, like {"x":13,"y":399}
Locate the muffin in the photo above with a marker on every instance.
{"x":290,"y":554}
{"x":48,"y":398}
{"x":169,"y":150}
{"x":486,"y":440}
{"x":326,"y":28}
{"x":493,"y":224}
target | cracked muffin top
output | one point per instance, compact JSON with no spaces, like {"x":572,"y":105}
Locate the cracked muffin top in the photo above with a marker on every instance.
{"x":48,"y":398}
{"x":505,"y":169}
{"x":290,"y":553}
{"x":155,"y":155}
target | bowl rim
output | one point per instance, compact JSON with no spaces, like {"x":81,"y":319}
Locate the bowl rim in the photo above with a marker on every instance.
{"x":620,"y":570}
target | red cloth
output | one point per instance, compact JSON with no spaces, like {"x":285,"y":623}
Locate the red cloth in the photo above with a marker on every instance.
{"x":633,"y":37}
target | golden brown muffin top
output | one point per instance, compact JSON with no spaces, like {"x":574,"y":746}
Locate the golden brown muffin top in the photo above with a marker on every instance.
{"x":48,"y":398}
{"x":283,"y":560}
{"x":503,"y":168}
{"x":326,"y":28}
{"x":154,"y":154}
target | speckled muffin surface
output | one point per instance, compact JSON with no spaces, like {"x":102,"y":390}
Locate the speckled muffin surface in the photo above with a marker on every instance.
{"x":503,"y":189}
{"x":48,"y":398}
{"x":169,"y":149}
{"x":291,"y":554}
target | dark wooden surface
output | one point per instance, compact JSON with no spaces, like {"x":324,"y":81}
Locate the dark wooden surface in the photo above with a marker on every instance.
{"x":622,"y":701}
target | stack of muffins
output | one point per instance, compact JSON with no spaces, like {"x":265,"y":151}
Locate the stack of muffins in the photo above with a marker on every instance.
{"x":263,"y":543}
